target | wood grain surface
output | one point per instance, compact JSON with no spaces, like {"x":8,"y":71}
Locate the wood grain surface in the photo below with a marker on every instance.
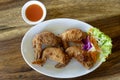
{"x":103,"y":14}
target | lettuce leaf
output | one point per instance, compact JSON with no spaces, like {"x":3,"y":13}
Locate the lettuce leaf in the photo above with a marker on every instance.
{"x":104,"y":42}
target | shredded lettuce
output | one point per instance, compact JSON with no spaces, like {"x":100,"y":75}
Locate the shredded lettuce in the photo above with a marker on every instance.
{"x":104,"y":42}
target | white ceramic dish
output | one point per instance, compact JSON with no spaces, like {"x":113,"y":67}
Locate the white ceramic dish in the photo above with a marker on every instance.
{"x":57,"y":26}
{"x":26,"y":5}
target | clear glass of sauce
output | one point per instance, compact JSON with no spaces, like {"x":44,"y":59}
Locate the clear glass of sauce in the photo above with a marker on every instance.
{"x":33,"y":12}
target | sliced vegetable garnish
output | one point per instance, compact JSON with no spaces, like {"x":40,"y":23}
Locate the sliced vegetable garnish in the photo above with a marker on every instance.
{"x":104,"y":42}
{"x":87,"y":44}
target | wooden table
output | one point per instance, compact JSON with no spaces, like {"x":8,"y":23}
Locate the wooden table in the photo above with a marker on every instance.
{"x":103,"y":14}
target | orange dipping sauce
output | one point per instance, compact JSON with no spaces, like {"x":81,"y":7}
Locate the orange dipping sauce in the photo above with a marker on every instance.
{"x":34,"y":12}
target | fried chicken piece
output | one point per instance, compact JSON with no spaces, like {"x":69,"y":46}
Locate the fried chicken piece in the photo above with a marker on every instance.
{"x":84,"y":35}
{"x":55,"y":54}
{"x":73,"y":35}
{"x":65,"y":44}
{"x":48,"y":38}
{"x":37,"y":47}
{"x":44,"y":38}
{"x":74,"y":51}
{"x":83,"y":57}
{"x":67,"y":60}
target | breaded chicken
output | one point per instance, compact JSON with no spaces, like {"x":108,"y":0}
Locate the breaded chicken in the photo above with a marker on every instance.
{"x":44,"y":38}
{"x":55,"y":54}
{"x":64,"y":47}
{"x":74,"y":51}
{"x":47,"y":38}
{"x":65,"y":44}
{"x":83,"y":57}
{"x":73,"y":35}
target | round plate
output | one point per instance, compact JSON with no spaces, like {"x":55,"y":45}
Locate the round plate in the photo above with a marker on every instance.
{"x":57,"y":26}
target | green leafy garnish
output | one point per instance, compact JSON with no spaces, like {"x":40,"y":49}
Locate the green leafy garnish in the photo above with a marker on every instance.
{"x":104,"y":42}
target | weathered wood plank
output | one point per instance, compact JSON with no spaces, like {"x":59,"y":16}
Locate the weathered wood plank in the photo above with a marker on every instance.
{"x":104,"y":14}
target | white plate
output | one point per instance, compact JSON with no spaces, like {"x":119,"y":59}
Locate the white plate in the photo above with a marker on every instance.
{"x":57,"y":26}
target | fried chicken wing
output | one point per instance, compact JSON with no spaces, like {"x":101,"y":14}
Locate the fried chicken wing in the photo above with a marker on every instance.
{"x":83,"y":57}
{"x":65,"y":44}
{"x":73,"y":35}
{"x":55,"y":54}
{"x":44,"y":38}
{"x":74,"y":51}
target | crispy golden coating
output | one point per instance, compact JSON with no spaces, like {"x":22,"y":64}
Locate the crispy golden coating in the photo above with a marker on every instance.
{"x":37,"y":47}
{"x":44,"y":38}
{"x":73,"y":35}
{"x":48,"y":38}
{"x":65,"y":44}
{"x":55,"y":54}
{"x":84,"y":35}
{"x":62,"y":48}
{"x":74,"y":51}
{"x":83,"y":57}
